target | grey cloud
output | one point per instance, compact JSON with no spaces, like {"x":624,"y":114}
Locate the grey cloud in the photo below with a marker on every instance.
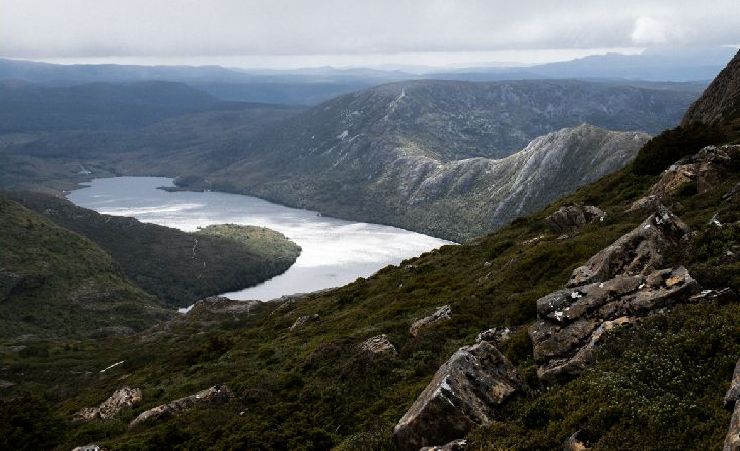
{"x":98,"y":28}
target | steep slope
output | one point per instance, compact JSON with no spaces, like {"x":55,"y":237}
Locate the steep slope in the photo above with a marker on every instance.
{"x":456,"y":199}
{"x":176,"y":266}
{"x":720,"y":102}
{"x":340,"y":368}
{"x":54,"y":282}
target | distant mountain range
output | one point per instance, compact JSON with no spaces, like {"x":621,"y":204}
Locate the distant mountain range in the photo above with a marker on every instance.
{"x":314,"y":85}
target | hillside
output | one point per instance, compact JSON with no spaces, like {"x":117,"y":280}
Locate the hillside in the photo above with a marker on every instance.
{"x":302,"y":378}
{"x":721,"y":100}
{"x":175,"y":266}
{"x":54,"y":282}
{"x":28,"y":107}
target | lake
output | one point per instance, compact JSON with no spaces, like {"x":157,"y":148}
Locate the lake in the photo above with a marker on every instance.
{"x":334,"y":252}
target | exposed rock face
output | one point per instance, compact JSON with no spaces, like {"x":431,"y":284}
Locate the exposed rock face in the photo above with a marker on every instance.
{"x":123,"y":398}
{"x":573,"y":321}
{"x":442,"y":313}
{"x":377,"y":346}
{"x":705,"y":169}
{"x":721,"y":99}
{"x":455,"y":445}
{"x":638,"y":251}
{"x":216,"y":394}
{"x":571,"y":218}
{"x":732,"y":398}
{"x":464,"y":392}
{"x":302,"y":320}
{"x":573,"y":444}
{"x":497,"y":335}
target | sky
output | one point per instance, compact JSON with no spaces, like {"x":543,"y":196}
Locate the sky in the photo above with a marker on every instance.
{"x":302,"y":33}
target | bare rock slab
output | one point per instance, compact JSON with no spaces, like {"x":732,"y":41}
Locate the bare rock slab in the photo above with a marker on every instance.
{"x":216,"y":394}
{"x":123,"y":398}
{"x":465,"y":392}
{"x":442,"y":313}
{"x":570,"y":218}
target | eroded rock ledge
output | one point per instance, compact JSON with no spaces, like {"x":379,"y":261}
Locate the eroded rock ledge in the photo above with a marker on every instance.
{"x":123,"y":398}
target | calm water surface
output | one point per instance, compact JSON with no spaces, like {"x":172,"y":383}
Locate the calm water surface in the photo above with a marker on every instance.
{"x":335,"y":252}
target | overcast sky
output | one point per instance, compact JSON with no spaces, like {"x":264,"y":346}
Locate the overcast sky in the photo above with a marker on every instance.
{"x":355,"y":32}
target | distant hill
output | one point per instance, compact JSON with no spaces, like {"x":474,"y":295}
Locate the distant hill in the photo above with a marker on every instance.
{"x":54,"y":282}
{"x":176,"y":266}
{"x":31,"y":107}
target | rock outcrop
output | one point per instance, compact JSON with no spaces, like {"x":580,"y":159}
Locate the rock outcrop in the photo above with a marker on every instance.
{"x":732,"y":401}
{"x":638,"y":251}
{"x":464,"y":392}
{"x":442,"y":313}
{"x":573,"y":321}
{"x":705,"y":170}
{"x":455,"y":445}
{"x":123,"y":398}
{"x":377,"y":346}
{"x":216,"y":308}
{"x":721,"y":99}
{"x":303,"y":320}
{"x":617,"y":286}
{"x":216,"y":394}
{"x":572,"y":217}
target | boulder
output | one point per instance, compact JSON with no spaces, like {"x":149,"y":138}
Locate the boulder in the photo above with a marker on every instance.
{"x":90,"y":447}
{"x":571,"y":218}
{"x":637,"y":252}
{"x":464,"y":392}
{"x":216,"y":394}
{"x":377,"y":346}
{"x":732,"y":398}
{"x":571,"y":322}
{"x":442,"y":313}
{"x":573,"y":444}
{"x":302,"y":320}
{"x":455,"y":445}
{"x":123,"y":398}
{"x":215,"y":308}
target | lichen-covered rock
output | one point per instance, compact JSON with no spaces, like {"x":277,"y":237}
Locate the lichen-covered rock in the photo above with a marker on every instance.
{"x":732,"y":398}
{"x":571,"y":322}
{"x":377,"y":346}
{"x":216,"y":394}
{"x":497,"y":335}
{"x":464,"y":392}
{"x":123,"y":398}
{"x":302,"y":320}
{"x":636,"y":252}
{"x":572,"y":217}
{"x":442,"y":313}
{"x":455,"y":445}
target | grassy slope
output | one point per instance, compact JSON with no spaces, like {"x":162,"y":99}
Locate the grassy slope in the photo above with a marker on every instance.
{"x":73,"y":286}
{"x":176,"y":266}
{"x":309,"y":389}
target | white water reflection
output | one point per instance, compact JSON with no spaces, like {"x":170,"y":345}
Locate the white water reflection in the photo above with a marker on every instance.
{"x":334,"y":252}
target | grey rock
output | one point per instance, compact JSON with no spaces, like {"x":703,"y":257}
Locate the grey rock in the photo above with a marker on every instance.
{"x":573,"y":444}
{"x":90,"y":447}
{"x":733,"y":393}
{"x":571,"y":322}
{"x":455,"y":445}
{"x":216,"y":308}
{"x":464,"y":392}
{"x":303,"y":320}
{"x":636,"y":252}
{"x":442,"y":313}
{"x":123,"y":398}
{"x":497,"y":335}
{"x":572,"y":217}
{"x":377,"y":346}
{"x":217,"y":394}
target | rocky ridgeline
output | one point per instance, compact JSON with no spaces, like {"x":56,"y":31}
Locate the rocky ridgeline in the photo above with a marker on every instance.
{"x":721,"y":99}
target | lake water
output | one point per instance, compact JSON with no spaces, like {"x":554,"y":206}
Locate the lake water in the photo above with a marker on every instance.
{"x":334,"y":252}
